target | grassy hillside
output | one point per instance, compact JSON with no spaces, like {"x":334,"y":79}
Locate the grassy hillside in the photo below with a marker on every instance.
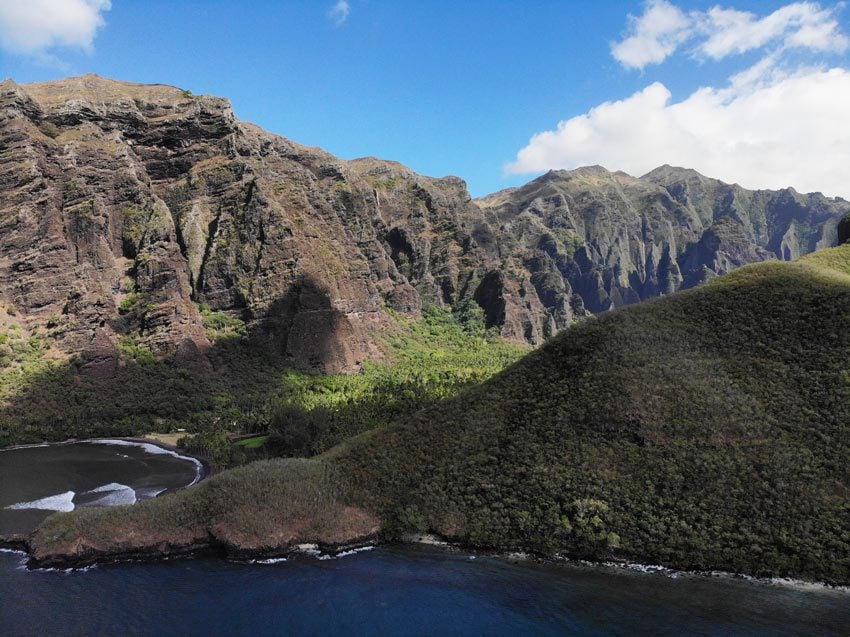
{"x":708,"y":429}
{"x":253,"y":509}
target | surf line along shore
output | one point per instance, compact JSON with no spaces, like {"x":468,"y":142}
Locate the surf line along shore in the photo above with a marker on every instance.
{"x":152,"y":445}
{"x":95,"y":478}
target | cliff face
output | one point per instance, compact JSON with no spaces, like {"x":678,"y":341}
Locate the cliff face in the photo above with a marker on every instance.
{"x":593,"y":240}
{"x":126,"y":208}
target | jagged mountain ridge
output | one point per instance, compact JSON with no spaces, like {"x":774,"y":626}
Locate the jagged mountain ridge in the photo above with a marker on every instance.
{"x":594,"y":239}
{"x":124,"y":207}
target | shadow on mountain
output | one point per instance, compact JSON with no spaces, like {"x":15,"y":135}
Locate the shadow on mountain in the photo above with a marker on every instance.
{"x":229,"y":387}
{"x":306,"y":329}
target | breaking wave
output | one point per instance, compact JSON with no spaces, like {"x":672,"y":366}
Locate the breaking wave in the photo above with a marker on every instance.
{"x":154,"y":450}
{"x":112,"y":486}
{"x":116,"y":494}
{"x":59,"y":502}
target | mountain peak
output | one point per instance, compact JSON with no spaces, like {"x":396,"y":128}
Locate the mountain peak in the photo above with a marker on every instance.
{"x":101,"y":90}
{"x":667,"y":174}
{"x":582,"y":171}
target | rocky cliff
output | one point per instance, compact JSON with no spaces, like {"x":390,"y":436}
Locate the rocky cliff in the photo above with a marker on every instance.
{"x":130,"y":214}
{"x":592,"y":240}
{"x":125,"y":208}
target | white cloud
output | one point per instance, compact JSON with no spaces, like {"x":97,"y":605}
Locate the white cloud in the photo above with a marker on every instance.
{"x":801,"y":24}
{"x":775,"y":124}
{"x":32,"y":27}
{"x":720,"y":32}
{"x":793,"y":130}
{"x":338,"y":13}
{"x":653,"y":36}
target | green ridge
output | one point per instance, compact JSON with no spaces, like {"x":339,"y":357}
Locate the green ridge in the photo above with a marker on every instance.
{"x":703,"y":430}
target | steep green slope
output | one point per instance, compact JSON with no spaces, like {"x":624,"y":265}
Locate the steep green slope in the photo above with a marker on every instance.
{"x":707,"y":429}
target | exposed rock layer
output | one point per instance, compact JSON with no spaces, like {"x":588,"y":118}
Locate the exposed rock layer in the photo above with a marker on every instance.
{"x":592,"y":240}
{"x":124,"y":208}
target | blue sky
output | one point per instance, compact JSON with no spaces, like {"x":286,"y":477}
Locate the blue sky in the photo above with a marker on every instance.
{"x":462,"y":87}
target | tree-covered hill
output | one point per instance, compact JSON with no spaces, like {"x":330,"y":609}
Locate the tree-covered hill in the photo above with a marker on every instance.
{"x":707,"y":429}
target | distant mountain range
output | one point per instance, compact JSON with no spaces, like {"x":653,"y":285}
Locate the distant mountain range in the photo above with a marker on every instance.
{"x":133,"y":213}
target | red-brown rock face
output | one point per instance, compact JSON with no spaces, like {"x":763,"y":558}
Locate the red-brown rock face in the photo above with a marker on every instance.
{"x":124,"y":207}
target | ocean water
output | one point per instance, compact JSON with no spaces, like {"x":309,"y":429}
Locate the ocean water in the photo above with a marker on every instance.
{"x":393,"y":590}
{"x":36,"y":481}
{"x":401,"y":591}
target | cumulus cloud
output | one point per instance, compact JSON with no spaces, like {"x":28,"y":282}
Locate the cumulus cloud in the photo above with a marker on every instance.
{"x":32,"y":27}
{"x":775,"y":124}
{"x":802,"y":24}
{"x":793,"y":131}
{"x":653,"y":36}
{"x":719,"y":32}
{"x":338,"y":13}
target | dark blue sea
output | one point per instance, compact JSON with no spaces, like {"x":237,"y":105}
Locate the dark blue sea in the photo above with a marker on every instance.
{"x":401,"y":591}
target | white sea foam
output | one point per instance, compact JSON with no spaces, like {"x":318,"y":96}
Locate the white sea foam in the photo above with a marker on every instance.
{"x":154,"y":450}
{"x":112,"y":486}
{"x":784,"y":582}
{"x":66,"y":571}
{"x":116,"y":494}
{"x":30,"y":446}
{"x":518,"y":556}
{"x":271,"y":560}
{"x":116,"y":498}
{"x":59,"y":502}
{"x":16,"y":551}
{"x":361,"y":549}
{"x":308,"y":549}
{"x":638,"y":567}
{"x":345,"y":553}
{"x":21,"y":555}
{"x":800,"y":585}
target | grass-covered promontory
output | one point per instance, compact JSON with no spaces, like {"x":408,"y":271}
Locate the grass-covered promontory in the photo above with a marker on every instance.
{"x":708,"y":429}
{"x":253,"y":510}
